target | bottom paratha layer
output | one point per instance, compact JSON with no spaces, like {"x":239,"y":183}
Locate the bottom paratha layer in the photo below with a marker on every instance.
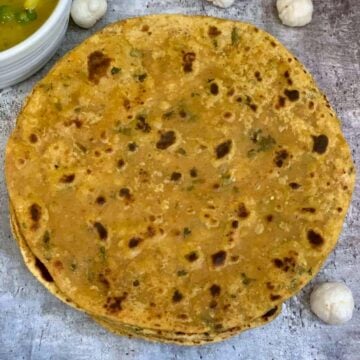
{"x":38,"y":269}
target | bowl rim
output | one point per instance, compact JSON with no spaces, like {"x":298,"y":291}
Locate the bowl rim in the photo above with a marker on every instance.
{"x":15,"y":50}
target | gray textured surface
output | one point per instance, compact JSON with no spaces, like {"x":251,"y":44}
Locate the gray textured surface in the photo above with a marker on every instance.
{"x":35,"y":325}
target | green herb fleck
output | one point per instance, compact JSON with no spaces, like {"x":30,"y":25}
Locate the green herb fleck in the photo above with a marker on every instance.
{"x":262,"y":142}
{"x":245,"y":279}
{"x":195,"y":94}
{"x":235,"y":37}
{"x":266,"y":143}
{"x":58,"y":106}
{"x":102,"y":251}
{"x":198,"y":181}
{"x":124,"y":130}
{"x":115,"y":70}
{"x":168,"y":114}
{"x":26,"y":16}
{"x":136,"y":53}
{"x":7,"y":14}
{"x":46,"y":237}
{"x":73,"y":266}
{"x":181,"y":151}
{"x":182,"y":273}
{"x":190,"y":188}
{"x":186,"y":232}
{"x":81,"y":147}
{"x":226,"y":178}
{"x":251,"y":153}
{"x":215,"y":43}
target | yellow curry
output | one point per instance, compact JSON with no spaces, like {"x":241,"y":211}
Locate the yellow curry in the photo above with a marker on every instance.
{"x":19,"y":19}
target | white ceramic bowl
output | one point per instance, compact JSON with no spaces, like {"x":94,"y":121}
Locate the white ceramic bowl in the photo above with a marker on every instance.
{"x":24,"y":59}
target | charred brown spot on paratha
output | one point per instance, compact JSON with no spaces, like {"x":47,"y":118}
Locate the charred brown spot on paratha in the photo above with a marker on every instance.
{"x":101,"y":230}
{"x":188,"y":59}
{"x":213,"y":31}
{"x":127,"y":104}
{"x":114,"y":303}
{"x":141,"y":78}
{"x":177,"y":296}
{"x":58,"y":265}
{"x":287,"y":76}
{"x":311,"y":105}
{"x":134,"y":242}
{"x":249,"y":102}
{"x":270,"y":313}
{"x":292,"y":95}
{"x":223,"y":149}
{"x":242,"y":212}
{"x":215,"y":290}
{"x":234,"y":224}
{"x":315,"y":238}
{"x":278,"y":263}
{"x":258,"y":76}
{"x":35,"y":212}
{"x":67,"y":178}
{"x":193,"y":172}
{"x":218,"y":259}
{"x":167,"y":139}
{"x":270,"y":286}
{"x":132,"y":146}
{"x":142,"y":125}
{"x":125,"y":193}
{"x":98,"y":64}
{"x":213,"y":304}
{"x":33,"y":138}
{"x":214,"y":88}
{"x":280,"y":157}
{"x":100,"y":200}
{"x":192,"y":256}
{"x":103,"y":280}
{"x":78,"y":123}
{"x":288,"y":263}
{"x":274,"y":297}
{"x":150,"y":231}
{"x":294,"y":185}
{"x":281,"y":102}
{"x":309,"y":210}
{"x":44,"y":272}
{"x":320,"y":144}
{"x":136,"y":283}
{"x":269,"y":218}
{"x":120,"y":163}
{"x":175,"y":176}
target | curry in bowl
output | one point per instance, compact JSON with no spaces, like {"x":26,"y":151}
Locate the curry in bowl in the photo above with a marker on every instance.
{"x":19,"y":19}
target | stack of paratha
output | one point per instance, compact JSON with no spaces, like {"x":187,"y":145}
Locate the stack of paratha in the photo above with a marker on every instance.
{"x":178,"y":178}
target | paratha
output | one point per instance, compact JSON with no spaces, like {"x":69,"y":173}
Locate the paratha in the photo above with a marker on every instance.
{"x":179,"y":173}
{"x":41,"y":273}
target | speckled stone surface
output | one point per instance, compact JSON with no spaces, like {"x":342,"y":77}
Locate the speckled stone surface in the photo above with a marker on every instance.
{"x":35,"y":325}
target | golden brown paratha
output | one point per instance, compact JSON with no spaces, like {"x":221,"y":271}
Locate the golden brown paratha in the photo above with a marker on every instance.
{"x":41,"y":273}
{"x":179,"y":173}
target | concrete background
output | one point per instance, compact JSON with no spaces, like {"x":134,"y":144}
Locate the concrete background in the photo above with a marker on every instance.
{"x":35,"y":325}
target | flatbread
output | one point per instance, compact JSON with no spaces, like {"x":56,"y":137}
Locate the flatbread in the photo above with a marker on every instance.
{"x":179,"y":173}
{"x":41,"y":273}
